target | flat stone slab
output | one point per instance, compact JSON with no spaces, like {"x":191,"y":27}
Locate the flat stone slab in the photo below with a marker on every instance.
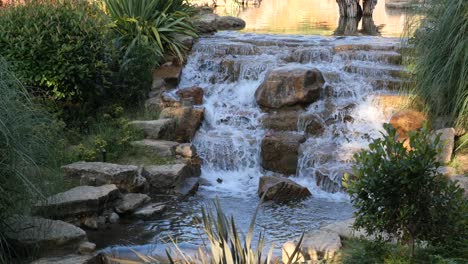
{"x":281,"y":189}
{"x":78,"y":201}
{"x":100,"y":173}
{"x":44,"y":235}
{"x":150,"y":211}
{"x":316,"y":245}
{"x":162,"y":148}
{"x":165,"y":178}
{"x":188,"y":187}
{"x":131,"y":201}
{"x":156,"y":129}
{"x":71,"y":259}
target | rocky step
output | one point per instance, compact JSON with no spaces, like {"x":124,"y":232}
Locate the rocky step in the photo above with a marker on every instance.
{"x":156,"y":129}
{"x":81,"y":200}
{"x":44,"y":236}
{"x":161,"y":148}
{"x":165,"y":178}
{"x":376,"y":70}
{"x":388,"y":57}
{"x":130,"y":202}
{"x":150,"y":211}
{"x":221,"y":50}
{"x":366,"y":47}
{"x":392,"y":84}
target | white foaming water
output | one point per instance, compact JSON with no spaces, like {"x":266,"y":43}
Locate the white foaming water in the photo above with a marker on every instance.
{"x":230,"y":67}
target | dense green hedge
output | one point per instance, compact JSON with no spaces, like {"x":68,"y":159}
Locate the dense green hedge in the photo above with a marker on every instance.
{"x":59,"y":49}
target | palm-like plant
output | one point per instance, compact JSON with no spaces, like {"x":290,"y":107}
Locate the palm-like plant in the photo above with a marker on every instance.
{"x":157,"y":23}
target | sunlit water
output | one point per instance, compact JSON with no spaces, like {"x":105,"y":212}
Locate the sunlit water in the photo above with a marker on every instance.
{"x":229,"y":66}
{"x":310,"y":17}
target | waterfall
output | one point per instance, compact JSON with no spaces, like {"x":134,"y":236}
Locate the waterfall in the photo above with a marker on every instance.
{"x":230,"y":67}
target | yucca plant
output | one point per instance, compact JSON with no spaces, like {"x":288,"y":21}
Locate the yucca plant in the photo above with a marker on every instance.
{"x":440,"y":58}
{"x":227,"y":245}
{"x":157,"y":23}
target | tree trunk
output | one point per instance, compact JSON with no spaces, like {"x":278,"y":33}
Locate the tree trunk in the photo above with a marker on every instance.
{"x":368,"y":7}
{"x":349,"y":8}
{"x":347,"y":26}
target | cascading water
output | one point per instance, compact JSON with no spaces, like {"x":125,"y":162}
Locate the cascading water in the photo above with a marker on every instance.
{"x":230,"y":67}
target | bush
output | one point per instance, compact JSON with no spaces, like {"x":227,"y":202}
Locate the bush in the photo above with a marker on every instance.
{"x":59,"y":48}
{"x":399,"y":192}
{"x":27,"y":166}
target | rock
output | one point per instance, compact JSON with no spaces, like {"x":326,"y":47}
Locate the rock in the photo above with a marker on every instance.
{"x":447,"y":143}
{"x":229,"y":23}
{"x":344,"y":229}
{"x":72,"y":259}
{"x":281,"y":121}
{"x":290,"y":86}
{"x":312,"y":124}
{"x":188,"y":120}
{"x":187,"y":41}
{"x":317,"y":245}
{"x":156,"y":129}
{"x":169,"y":99}
{"x":205,"y":23}
{"x":165,"y":178}
{"x":130,"y":202}
{"x":406,"y":121}
{"x":153,"y":104}
{"x":150,"y":211}
{"x":86,"y":248}
{"x":44,"y":236}
{"x":280,"y":151}
{"x":325,"y":182}
{"x":194,"y":94}
{"x":447,"y":171}
{"x":281,"y":190}
{"x":81,"y":200}
{"x":188,"y":188}
{"x":186,"y":150}
{"x":169,"y":73}
{"x":462,"y":182}
{"x":162,"y":148}
{"x":100,"y":173}
{"x":114,"y":218}
{"x":390,"y":104}
{"x":90,"y":222}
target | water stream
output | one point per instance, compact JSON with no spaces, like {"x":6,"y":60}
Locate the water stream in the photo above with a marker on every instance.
{"x":229,"y":67}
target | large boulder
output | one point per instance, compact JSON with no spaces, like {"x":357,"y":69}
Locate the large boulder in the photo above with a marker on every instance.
{"x":447,"y":143}
{"x":194,"y":94}
{"x":205,"y":23}
{"x":289,"y":87}
{"x":312,"y":124}
{"x":229,"y":23}
{"x":165,"y":178}
{"x":280,"y":152}
{"x":79,"y":201}
{"x":188,"y":120}
{"x":281,"y":121}
{"x":156,"y":129}
{"x":44,"y":236}
{"x":169,"y":73}
{"x":160,"y":148}
{"x":130,"y":202}
{"x":101,"y":173}
{"x":406,"y":121}
{"x":317,"y":245}
{"x":281,"y":189}
{"x":186,"y":150}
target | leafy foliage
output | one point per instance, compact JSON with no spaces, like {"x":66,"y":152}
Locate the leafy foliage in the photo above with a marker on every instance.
{"x":441,"y":59}
{"x":58,"y":48}
{"x":398,"y":192}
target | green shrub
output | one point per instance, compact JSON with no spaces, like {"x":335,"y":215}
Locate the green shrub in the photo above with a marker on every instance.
{"x":400,"y":193}
{"x":27,"y":150}
{"x":59,"y":49}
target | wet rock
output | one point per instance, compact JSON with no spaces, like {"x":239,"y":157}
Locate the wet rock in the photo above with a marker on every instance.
{"x":326,"y":183}
{"x":188,"y":120}
{"x":406,"y":121}
{"x":72,"y":259}
{"x":194,"y":94}
{"x":188,"y":187}
{"x":90,"y":222}
{"x":169,"y":99}
{"x":281,"y":121}
{"x":229,"y":23}
{"x":186,"y":150}
{"x":86,"y":248}
{"x":312,"y":124}
{"x":130,"y":202}
{"x":100,"y":173}
{"x":447,"y":143}
{"x":289,"y":87}
{"x":114,"y":218}
{"x":164,"y":178}
{"x":317,"y":245}
{"x":170,"y":73}
{"x":80,"y":200}
{"x":150,"y":211}
{"x":205,"y":23}
{"x":44,"y":236}
{"x":156,"y":129}
{"x":160,"y":148}
{"x":280,"y":152}
{"x":281,"y":190}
